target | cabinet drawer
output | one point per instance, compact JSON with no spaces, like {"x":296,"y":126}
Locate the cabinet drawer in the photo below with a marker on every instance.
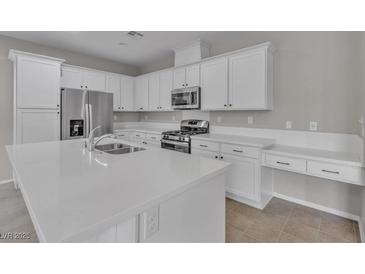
{"x":153,"y":137}
{"x":138,"y":135}
{"x":205,"y":145}
{"x":334,"y":171}
{"x":240,"y":150}
{"x":122,"y":135}
{"x":287,"y":163}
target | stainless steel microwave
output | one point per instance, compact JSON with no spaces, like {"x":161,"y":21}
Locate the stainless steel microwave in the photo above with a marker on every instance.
{"x":186,"y":98}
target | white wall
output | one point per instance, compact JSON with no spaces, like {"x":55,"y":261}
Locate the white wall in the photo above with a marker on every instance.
{"x":316,"y":77}
{"x":6,"y":85}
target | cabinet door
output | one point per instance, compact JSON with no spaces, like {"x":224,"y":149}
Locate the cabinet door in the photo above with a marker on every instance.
{"x":71,"y":78}
{"x":127,"y":94}
{"x":166,"y":85}
{"x":193,"y":76}
{"x":154,"y":92}
{"x":214,"y":84}
{"x":37,"y":125}
{"x":243,"y":177}
{"x":179,"y":78}
{"x":113,"y":83}
{"x":247,"y":80}
{"x":94,"y":80}
{"x":141,"y":94}
{"x":204,"y":153}
{"x":38,"y":83}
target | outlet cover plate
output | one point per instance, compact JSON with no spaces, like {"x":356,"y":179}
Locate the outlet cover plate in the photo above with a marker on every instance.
{"x":313,"y":126}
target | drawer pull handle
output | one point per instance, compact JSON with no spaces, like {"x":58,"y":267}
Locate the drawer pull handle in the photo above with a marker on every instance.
{"x":240,"y":151}
{"x":138,"y":135}
{"x":153,"y":137}
{"x":203,"y":145}
{"x":330,"y":171}
{"x":283,"y":163}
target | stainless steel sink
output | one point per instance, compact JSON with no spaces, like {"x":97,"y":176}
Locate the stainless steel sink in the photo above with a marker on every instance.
{"x":118,"y":148}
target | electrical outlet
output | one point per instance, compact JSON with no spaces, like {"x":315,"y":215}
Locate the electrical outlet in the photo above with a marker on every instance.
{"x":288,"y":124}
{"x":173,"y":118}
{"x":250,"y":120}
{"x":115,"y":117}
{"x":219,"y":119}
{"x":150,"y":222}
{"x":146,"y":117}
{"x":313,"y":126}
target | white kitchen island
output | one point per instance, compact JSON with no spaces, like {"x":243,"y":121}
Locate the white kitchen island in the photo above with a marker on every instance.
{"x":154,"y":195}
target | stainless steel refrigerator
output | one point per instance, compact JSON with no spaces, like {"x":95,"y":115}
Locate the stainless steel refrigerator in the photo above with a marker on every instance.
{"x":82,"y":110}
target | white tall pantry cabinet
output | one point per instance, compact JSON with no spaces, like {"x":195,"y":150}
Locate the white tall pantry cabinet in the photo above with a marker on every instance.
{"x":36,"y":97}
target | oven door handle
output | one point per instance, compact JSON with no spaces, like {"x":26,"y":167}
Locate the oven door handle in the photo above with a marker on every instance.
{"x":175,"y":143}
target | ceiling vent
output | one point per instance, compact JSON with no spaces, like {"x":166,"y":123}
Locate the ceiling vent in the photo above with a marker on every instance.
{"x":191,"y":53}
{"x":134,"y":34}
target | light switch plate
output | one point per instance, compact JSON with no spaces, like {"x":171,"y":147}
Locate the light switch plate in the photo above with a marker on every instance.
{"x":250,"y":120}
{"x":173,"y":118}
{"x":146,"y":117}
{"x":219,"y":119}
{"x":288,"y":124}
{"x":115,"y":117}
{"x":313,"y":126}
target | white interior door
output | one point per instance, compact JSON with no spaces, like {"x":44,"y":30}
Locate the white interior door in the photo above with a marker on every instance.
{"x":247,"y":80}
{"x":166,"y":85}
{"x":71,"y":78}
{"x":214,"y":84}
{"x":38,"y":83}
{"x":37,"y":125}
{"x":113,"y":85}
{"x":179,"y":78}
{"x":243,"y":177}
{"x":127,"y":93}
{"x":154,"y":92}
{"x":193,"y":76}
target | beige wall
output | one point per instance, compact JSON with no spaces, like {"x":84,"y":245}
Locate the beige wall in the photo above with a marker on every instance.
{"x":316,"y":76}
{"x":6,"y":85}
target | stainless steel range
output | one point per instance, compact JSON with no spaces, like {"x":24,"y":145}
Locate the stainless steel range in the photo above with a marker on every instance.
{"x":180,"y":140}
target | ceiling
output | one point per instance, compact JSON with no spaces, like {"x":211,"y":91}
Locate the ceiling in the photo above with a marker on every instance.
{"x":153,"y":46}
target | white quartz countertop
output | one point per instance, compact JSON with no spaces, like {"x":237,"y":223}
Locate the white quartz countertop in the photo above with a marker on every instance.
{"x":235,"y":139}
{"x":71,"y":193}
{"x":146,"y":129}
{"x":346,"y":158}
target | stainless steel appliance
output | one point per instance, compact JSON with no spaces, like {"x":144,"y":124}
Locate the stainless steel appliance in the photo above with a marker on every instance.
{"x":185,"y":98}
{"x":83,"y":110}
{"x":180,"y":140}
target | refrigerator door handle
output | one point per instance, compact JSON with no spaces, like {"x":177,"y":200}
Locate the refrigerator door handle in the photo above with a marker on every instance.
{"x":91,"y":116}
{"x":87,"y":120}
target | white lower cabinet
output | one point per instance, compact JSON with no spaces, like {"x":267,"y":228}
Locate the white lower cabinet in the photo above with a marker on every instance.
{"x":243,"y":177}
{"x":245,"y":181}
{"x":37,"y":125}
{"x":125,"y":232}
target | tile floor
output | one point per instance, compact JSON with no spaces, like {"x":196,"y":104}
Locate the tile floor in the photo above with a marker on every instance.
{"x":285,"y":222}
{"x":280,"y":221}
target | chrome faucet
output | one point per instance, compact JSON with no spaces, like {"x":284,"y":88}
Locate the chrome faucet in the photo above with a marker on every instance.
{"x":90,"y":144}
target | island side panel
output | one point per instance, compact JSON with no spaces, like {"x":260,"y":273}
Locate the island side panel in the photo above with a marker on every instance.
{"x":197,"y":215}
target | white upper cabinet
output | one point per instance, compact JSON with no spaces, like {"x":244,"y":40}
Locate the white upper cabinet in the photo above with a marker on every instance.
{"x":179,"y":78}
{"x":187,"y":76}
{"x":71,"y":78}
{"x":193,"y":75}
{"x":166,"y":85}
{"x":113,"y":85}
{"x":37,"y":83}
{"x":127,"y":94}
{"x":74,"y":77}
{"x":94,"y":80}
{"x":250,"y":85}
{"x":141,"y":93}
{"x":154,"y":91}
{"x":214,"y":84}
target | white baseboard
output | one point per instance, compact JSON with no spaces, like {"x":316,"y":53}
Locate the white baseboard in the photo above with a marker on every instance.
{"x":6,"y":181}
{"x":319,"y":207}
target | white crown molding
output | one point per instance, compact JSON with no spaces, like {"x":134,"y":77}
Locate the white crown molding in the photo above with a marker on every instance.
{"x":14,"y":53}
